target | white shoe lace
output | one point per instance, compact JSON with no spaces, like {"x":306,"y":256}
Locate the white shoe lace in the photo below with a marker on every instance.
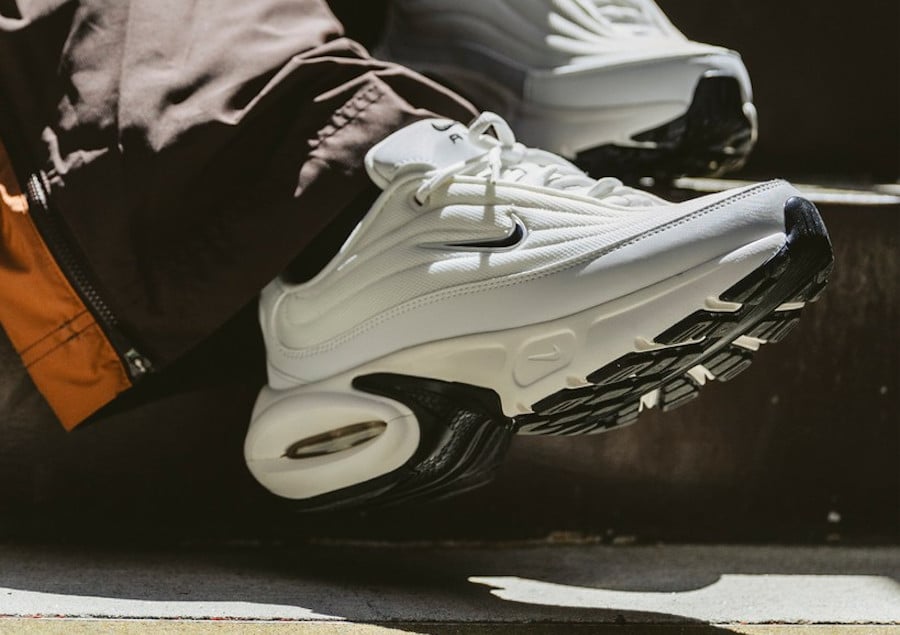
{"x":504,"y":157}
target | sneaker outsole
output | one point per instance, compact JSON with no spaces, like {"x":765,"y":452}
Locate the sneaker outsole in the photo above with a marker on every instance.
{"x":713,"y":137}
{"x":704,"y":345}
{"x":465,"y":435}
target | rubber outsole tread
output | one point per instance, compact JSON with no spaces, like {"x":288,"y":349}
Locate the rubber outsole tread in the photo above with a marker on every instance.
{"x":713,"y":137}
{"x":776,"y":328}
{"x":797,"y":273}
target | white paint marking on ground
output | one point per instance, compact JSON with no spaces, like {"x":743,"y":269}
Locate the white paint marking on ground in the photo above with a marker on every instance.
{"x":17,"y":602}
{"x":749,"y":598}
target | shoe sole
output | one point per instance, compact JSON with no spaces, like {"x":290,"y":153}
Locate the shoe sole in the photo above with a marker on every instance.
{"x":705,"y":345}
{"x":464,"y":433}
{"x":713,"y":137}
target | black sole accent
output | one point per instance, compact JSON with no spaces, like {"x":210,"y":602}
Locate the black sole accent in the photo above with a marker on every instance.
{"x":464,"y":437}
{"x":797,"y":273}
{"x":713,"y":137}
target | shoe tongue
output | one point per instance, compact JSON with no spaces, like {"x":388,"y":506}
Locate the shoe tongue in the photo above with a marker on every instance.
{"x":420,"y":147}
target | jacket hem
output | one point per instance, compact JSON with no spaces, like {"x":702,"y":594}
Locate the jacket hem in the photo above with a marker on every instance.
{"x":65,"y":351}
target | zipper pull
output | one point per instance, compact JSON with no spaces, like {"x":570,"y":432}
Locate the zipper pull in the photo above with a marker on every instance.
{"x":138,"y":365}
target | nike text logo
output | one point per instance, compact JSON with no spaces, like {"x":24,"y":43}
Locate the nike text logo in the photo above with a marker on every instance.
{"x":453,"y":137}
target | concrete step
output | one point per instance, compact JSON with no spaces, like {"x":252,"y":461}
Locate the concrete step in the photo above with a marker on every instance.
{"x":65,"y":626}
{"x":487,"y":588}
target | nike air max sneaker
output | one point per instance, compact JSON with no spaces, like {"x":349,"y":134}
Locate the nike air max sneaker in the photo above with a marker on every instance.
{"x":494,"y":289}
{"x":610,"y":84}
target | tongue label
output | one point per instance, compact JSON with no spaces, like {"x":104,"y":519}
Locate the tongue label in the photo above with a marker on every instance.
{"x":420,"y":147}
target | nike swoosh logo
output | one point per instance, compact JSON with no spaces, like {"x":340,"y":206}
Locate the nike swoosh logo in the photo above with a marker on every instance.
{"x":552,"y":356}
{"x":515,"y":236}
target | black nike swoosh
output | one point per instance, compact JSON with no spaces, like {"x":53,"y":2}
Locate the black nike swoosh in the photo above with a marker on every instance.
{"x":445,"y":128}
{"x":515,"y":236}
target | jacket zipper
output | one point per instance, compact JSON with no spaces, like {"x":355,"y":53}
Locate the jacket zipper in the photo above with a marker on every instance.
{"x":55,"y":234}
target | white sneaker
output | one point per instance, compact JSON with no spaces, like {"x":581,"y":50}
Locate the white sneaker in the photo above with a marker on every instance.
{"x":611,"y":84}
{"x":494,"y":288}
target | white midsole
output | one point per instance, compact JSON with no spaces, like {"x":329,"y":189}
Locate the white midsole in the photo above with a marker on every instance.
{"x":586,"y":340}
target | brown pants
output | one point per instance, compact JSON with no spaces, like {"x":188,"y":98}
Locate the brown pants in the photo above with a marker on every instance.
{"x":183,"y":153}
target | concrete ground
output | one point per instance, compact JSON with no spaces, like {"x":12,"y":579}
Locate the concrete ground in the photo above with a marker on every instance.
{"x":384,"y":588}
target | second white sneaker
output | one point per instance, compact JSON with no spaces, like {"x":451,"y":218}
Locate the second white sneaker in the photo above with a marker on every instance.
{"x":494,"y":288}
